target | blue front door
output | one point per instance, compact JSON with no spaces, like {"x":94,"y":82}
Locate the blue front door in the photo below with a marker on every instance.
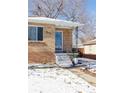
{"x":58,"y":41}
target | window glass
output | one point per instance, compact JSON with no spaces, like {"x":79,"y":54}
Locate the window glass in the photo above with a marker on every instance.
{"x":31,"y":33}
{"x":40,"y":33}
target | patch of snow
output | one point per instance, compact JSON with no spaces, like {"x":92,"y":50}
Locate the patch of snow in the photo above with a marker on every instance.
{"x":41,"y":65}
{"x":86,"y":63}
{"x":57,"y":80}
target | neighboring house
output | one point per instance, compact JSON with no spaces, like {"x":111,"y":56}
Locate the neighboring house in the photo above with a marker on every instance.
{"x":89,"y":49}
{"x":48,"y":36}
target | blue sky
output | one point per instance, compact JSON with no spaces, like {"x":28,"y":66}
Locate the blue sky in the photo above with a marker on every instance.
{"x":90,"y":6}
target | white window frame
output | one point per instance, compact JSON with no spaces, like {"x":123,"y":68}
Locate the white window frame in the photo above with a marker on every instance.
{"x":36,"y":34}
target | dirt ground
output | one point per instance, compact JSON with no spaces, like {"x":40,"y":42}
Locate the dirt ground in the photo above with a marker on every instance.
{"x":85,"y":74}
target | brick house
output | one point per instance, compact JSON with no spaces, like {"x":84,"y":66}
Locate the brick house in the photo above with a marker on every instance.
{"x":48,"y":36}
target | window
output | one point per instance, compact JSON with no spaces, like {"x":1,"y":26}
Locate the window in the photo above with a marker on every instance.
{"x":35,"y":33}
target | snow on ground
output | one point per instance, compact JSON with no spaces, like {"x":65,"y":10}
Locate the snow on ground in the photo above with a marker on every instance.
{"x":57,"y":80}
{"x":86,"y":63}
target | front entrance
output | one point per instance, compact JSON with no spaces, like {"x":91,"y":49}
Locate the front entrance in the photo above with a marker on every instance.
{"x":58,"y":41}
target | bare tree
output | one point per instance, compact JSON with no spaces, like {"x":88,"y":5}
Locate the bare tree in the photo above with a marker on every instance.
{"x":89,"y":28}
{"x":47,"y":8}
{"x":73,"y":9}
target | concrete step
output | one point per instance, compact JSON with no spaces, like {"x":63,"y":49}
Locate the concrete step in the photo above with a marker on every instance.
{"x":63,"y":60}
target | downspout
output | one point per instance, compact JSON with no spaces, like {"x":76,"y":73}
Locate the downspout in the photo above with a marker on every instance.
{"x":74,"y":55}
{"x":74,"y":58}
{"x":76,"y":39}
